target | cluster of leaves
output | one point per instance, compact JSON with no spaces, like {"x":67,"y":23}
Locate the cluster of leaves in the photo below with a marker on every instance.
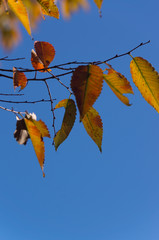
{"x":86,"y":86}
{"x":29,"y":12}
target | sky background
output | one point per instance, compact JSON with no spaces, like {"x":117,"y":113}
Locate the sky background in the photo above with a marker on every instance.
{"x":85,"y":194}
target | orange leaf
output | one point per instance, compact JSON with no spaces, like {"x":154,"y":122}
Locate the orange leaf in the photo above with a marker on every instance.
{"x":94,"y":127}
{"x":37,"y":142}
{"x":118,"y":84}
{"x":19,"y":79}
{"x":98,"y":3}
{"x":146,"y":79}
{"x":86,"y":84}
{"x":45,"y":52}
{"x":37,"y":63}
{"x":68,"y":121}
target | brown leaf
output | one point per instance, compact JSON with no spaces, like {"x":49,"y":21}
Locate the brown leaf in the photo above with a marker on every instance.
{"x":19,"y":79}
{"x":86,"y":84}
{"x":45,"y":52}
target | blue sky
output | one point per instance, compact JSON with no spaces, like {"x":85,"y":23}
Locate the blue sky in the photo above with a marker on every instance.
{"x":86,"y":194}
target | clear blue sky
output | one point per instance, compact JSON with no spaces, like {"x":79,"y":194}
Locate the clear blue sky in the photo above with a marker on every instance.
{"x":85,"y":194}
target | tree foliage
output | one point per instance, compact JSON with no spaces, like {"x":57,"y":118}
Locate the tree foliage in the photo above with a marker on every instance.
{"x":86,"y":80}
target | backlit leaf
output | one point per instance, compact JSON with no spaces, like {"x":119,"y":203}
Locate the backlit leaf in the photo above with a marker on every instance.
{"x":49,"y":8}
{"x":19,"y":79}
{"x":37,"y":142}
{"x":86,"y":84}
{"x":98,"y":3}
{"x":37,"y":63}
{"x":42,"y":128}
{"x":68,"y":121}
{"x":146,"y":79}
{"x":118,"y":84}
{"x":94,"y":127}
{"x":70,"y":6}
{"x":20,"y":11}
{"x":45,"y":52}
{"x":37,"y":130}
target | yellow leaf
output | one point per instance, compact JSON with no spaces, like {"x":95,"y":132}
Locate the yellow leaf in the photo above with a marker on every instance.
{"x":146,"y":79}
{"x":86,"y":84}
{"x":19,"y":79}
{"x":94,"y":127}
{"x":98,"y":3}
{"x":37,"y":142}
{"x":118,"y":84}
{"x":20,"y":11}
{"x":41,"y":126}
{"x":68,"y":121}
{"x":45,"y":52}
{"x":49,"y":8}
{"x":70,"y":6}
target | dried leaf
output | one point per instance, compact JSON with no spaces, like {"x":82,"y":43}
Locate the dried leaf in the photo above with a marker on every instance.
{"x":94,"y":127}
{"x":68,"y":121}
{"x":37,"y":141}
{"x":118,"y":84}
{"x":86,"y":84}
{"x":20,"y":11}
{"x":49,"y":8}
{"x":45,"y":52}
{"x":98,"y":3}
{"x":19,"y":79}
{"x":146,"y":79}
{"x":70,"y":6}
{"x":37,"y":63}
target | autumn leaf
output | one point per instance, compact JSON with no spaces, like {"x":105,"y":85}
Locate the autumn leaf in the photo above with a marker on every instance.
{"x":44,"y":55}
{"x":98,"y":3}
{"x":70,"y":6}
{"x":118,"y":84}
{"x":37,"y":130}
{"x":42,"y":128}
{"x":19,"y":79}
{"x":37,"y":63}
{"x":49,"y":8}
{"x":146,"y":79}
{"x":86,"y":84}
{"x":20,"y":11}
{"x":94,"y":127}
{"x":68,"y":121}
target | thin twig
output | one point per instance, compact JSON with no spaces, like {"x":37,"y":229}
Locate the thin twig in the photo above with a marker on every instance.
{"x":11,"y":94}
{"x":11,"y":110}
{"x":28,"y":102}
{"x":60,"y":82}
{"x":52,"y":108}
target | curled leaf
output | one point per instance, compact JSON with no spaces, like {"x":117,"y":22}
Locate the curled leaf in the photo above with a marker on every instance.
{"x":19,"y":79}
{"x":86,"y":84}
{"x":68,"y":121}
{"x":146,"y":79}
{"x":44,"y":55}
{"x":94,"y":127}
{"x":118,"y":84}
